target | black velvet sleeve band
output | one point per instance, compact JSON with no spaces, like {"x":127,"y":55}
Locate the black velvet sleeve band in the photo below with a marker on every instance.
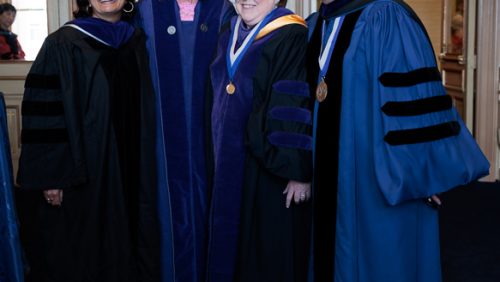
{"x":42,"y":81}
{"x":42,"y":108}
{"x":405,"y":79}
{"x":418,"y":107}
{"x":424,"y":134}
{"x":40,"y":136}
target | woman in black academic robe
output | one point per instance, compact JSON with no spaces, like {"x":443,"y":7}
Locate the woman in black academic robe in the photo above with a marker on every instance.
{"x":260,"y":132}
{"x":88,"y":144}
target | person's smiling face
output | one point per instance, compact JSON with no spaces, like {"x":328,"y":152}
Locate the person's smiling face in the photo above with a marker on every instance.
{"x":108,"y":10}
{"x":254,"y":11}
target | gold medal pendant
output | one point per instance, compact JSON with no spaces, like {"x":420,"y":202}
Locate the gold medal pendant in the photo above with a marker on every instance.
{"x":230,"y":88}
{"x":321,"y":91}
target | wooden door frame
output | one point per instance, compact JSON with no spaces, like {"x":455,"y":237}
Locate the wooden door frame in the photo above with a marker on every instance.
{"x":303,"y":7}
{"x":487,"y":91}
{"x":470,"y":21}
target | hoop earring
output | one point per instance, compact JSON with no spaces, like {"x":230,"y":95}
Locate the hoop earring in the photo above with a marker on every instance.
{"x":130,"y":9}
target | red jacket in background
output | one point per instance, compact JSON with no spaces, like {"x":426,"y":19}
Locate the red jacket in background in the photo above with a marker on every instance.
{"x":6,"y":51}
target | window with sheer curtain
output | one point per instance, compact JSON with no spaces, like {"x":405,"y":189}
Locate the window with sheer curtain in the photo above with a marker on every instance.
{"x":30,"y":25}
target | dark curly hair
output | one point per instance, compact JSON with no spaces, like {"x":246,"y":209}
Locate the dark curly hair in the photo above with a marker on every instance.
{"x":7,"y":7}
{"x":84,"y":10}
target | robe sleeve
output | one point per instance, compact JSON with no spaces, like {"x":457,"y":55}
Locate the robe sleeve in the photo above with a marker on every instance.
{"x":279,"y":127}
{"x":421,"y":146}
{"x":51,"y":137}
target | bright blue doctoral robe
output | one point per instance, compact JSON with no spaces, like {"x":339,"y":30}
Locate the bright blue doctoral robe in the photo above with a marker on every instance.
{"x":11,"y":266}
{"x":179,"y":62}
{"x":386,"y":138}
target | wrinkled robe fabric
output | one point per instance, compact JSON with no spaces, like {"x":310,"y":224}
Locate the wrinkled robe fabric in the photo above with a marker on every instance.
{"x":11,"y":264}
{"x":386,"y":138}
{"x":89,"y":129}
{"x":261,"y":139}
{"x":180,"y":53}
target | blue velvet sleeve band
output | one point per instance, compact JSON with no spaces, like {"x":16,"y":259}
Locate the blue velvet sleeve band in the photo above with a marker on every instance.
{"x":290,"y":140}
{"x":291,"y":114}
{"x":291,"y":87}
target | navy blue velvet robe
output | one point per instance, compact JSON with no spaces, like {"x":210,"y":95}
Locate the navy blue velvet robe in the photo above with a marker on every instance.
{"x":261,"y":139}
{"x":387,"y":137}
{"x":183,"y":194}
{"x":11,"y":265}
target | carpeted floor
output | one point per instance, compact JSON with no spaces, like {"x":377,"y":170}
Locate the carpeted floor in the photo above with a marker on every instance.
{"x":470,"y":233}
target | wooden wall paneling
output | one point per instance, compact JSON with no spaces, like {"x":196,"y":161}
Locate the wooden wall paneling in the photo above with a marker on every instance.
{"x":13,"y":110}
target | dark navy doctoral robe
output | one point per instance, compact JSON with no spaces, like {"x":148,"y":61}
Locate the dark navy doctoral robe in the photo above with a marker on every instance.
{"x":180,"y":53}
{"x":386,"y":138}
{"x":11,"y":265}
{"x":261,"y":139}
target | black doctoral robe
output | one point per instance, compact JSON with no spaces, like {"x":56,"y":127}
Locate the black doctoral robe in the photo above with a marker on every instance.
{"x":89,"y":129}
